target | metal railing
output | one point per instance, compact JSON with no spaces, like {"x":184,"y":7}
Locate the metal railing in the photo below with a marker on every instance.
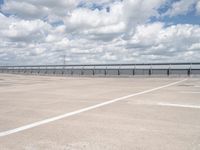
{"x":146,"y":69}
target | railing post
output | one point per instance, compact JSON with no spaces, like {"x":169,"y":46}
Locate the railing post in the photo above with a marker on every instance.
{"x":119,"y":70}
{"x":38,"y":70}
{"x":134,"y":70}
{"x":168,"y":71}
{"x":93,"y":71}
{"x":82,"y":71}
{"x":63,"y":70}
{"x":106,"y":71}
{"x":72,"y":71}
{"x":189,"y":70}
{"x":150,"y":70}
{"x":45,"y":70}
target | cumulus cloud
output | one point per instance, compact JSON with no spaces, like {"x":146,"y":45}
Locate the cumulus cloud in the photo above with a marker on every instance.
{"x":198,"y":8}
{"x":26,"y":31}
{"x":174,"y":42}
{"x":182,"y":7}
{"x":33,"y":9}
{"x":91,"y":31}
{"x":122,"y":18}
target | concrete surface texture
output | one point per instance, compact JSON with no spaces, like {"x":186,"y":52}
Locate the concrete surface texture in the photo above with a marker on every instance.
{"x":147,"y":114}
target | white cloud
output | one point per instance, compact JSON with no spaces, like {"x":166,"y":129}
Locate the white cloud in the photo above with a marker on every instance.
{"x":83,"y":18}
{"x":198,"y":8}
{"x":122,"y":34}
{"x":181,"y":7}
{"x":133,"y":11}
{"x":146,"y":34}
{"x":23,"y":9}
{"x":21,"y":30}
{"x":195,"y":47}
{"x":33,"y":9}
{"x":123,"y":17}
{"x":171,"y":43}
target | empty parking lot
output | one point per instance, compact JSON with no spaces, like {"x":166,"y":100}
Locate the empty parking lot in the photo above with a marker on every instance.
{"x":40,"y":112}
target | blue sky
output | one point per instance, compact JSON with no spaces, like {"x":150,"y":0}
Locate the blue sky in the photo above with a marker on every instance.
{"x":93,"y":31}
{"x":189,"y":18}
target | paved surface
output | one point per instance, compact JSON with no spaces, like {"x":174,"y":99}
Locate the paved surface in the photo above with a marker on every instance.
{"x":163,"y":119}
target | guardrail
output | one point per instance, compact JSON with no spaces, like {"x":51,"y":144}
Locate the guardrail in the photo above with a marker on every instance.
{"x":145,"y":69}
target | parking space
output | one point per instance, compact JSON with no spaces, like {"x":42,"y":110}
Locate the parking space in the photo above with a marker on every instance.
{"x":41,"y":112}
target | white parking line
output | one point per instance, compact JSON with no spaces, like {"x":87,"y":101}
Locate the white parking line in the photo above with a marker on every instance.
{"x":190,"y":92}
{"x":42,"y":122}
{"x":179,"y":105}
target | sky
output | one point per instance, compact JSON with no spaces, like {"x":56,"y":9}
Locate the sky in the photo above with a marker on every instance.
{"x":34,"y":32}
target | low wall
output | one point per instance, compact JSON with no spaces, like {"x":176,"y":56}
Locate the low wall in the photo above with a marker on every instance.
{"x":131,"y":70}
{"x":106,"y":72}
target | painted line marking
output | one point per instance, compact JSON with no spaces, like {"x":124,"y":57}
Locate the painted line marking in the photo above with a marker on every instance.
{"x":179,"y":105}
{"x":190,"y":92}
{"x":42,"y":122}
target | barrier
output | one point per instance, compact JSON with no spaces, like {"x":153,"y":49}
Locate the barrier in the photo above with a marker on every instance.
{"x":153,"y":69}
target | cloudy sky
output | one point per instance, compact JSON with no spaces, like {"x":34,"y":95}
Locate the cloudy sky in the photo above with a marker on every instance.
{"x":99,"y":31}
